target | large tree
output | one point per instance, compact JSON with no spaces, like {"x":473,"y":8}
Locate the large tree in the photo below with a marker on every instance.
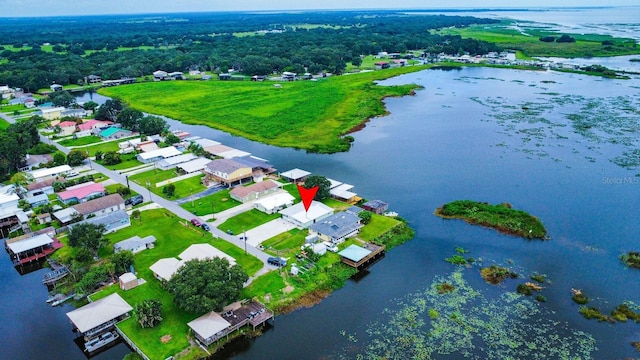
{"x":152,"y":125}
{"x":129,"y":118}
{"x":76,"y":157}
{"x":322,"y":183}
{"x":149,"y":313}
{"x":206,"y":285}
{"x":62,"y":98}
{"x":109,"y":110}
{"x":122,"y":260}
{"x":88,"y":236}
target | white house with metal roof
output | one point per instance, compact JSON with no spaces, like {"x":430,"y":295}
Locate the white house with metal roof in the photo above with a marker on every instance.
{"x":157,"y":155}
{"x":100,"y":315}
{"x":297,"y":215}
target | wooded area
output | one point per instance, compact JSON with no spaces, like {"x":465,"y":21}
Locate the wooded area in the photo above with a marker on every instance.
{"x":36,"y":53}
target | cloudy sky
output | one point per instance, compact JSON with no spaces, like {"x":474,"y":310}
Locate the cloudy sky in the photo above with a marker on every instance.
{"x":82,"y":7}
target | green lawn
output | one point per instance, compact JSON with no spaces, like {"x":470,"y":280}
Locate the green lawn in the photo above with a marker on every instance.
{"x":302,"y":114}
{"x":4,"y":124}
{"x":293,"y":190}
{"x":219,"y":201}
{"x":128,"y":161}
{"x":172,"y":237}
{"x":183,"y":188}
{"x":336,"y":204}
{"x":106,"y":146}
{"x":81,"y":141}
{"x":379,"y":225}
{"x":247,"y":221}
{"x":10,"y":109}
{"x":287,"y":243}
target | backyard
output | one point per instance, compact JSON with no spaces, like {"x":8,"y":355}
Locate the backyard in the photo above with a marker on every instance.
{"x":219,"y":201}
{"x":247,"y":221}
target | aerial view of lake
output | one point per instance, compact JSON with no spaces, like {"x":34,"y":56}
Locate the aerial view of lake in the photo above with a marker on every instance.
{"x":561,"y":146}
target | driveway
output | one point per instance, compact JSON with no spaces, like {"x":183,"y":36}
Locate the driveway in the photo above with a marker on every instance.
{"x":266,"y":231}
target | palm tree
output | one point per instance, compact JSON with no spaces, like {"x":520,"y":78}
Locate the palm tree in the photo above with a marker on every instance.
{"x":19,"y":180}
{"x":149,"y":313}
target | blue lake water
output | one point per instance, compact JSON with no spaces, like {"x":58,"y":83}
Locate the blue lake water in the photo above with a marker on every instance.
{"x":477,"y":133}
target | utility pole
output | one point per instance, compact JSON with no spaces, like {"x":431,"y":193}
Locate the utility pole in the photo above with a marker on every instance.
{"x":149,"y":188}
{"x":244,"y":236}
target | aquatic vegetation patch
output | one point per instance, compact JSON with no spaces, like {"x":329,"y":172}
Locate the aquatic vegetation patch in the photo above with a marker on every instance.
{"x":495,"y":274}
{"x":631,"y":259}
{"x":464,"y":324}
{"x":594,"y":313}
{"x":578,"y":297}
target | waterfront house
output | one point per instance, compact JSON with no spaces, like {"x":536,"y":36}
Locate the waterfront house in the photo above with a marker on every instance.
{"x":194,"y":165}
{"x":65,"y":216}
{"x":376,"y":206}
{"x":100,"y":206}
{"x":210,"y":327}
{"x":99,"y":316}
{"x":342,"y":192}
{"x":382,"y":65}
{"x":274,"y":202}
{"x":82,"y":193}
{"x":337,"y":227}
{"x":113,"y":133}
{"x":302,"y":219}
{"x":225,"y":152}
{"x":157,"y":155}
{"x":135,"y":244}
{"x":254,"y":191}
{"x":94,"y":79}
{"x":25,"y":250}
{"x":51,"y":113}
{"x":361,"y":257}
{"x":112,"y":221}
{"x":174,"y":161}
{"x":295,"y":175}
{"x":227,"y":171}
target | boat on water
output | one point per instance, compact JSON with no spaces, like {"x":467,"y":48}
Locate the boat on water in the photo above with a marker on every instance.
{"x":102,"y":340}
{"x":60,"y":301}
{"x":55,"y":297}
{"x":390,"y":214}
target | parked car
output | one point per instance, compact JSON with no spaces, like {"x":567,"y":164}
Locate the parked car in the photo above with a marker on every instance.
{"x":72,"y":174}
{"x":205,"y":227}
{"x":242,"y":237}
{"x":277,"y":261}
{"x":134,"y":200}
{"x":229,"y":232}
{"x":331,"y":246}
{"x":196,"y":222}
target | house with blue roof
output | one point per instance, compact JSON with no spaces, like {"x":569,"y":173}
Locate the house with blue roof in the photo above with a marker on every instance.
{"x":337,"y":227}
{"x":115,"y":133}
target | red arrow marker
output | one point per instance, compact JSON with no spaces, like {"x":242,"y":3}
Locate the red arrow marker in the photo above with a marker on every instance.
{"x":307,"y":195}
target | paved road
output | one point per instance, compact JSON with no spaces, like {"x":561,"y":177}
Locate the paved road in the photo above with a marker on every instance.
{"x":169,"y":205}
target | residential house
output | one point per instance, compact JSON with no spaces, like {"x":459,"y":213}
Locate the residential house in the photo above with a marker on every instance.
{"x":157,"y":155}
{"x":160,"y":75}
{"x":164,"y":269}
{"x":112,"y":221}
{"x":65,"y":216}
{"x":100,"y":315}
{"x":135,"y":244}
{"x":376,"y":206}
{"x":227,"y":171}
{"x":100,"y":206}
{"x":37,"y":200}
{"x":260,"y":167}
{"x":204,"y":251}
{"x":172,"y":162}
{"x":29,"y":248}
{"x":75,"y":113}
{"x":43,"y":187}
{"x":176,"y":75}
{"x":51,"y":113}
{"x":210,"y":327}
{"x":92,"y":127}
{"x":274,"y":202}
{"x":12,"y":218}
{"x":94,"y":79}
{"x":224,"y":151}
{"x":301,"y":218}
{"x":56,"y":87}
{"x":295,"y":175}
{"x":35,"y":160}
{"x":382,"y":65}
{"x":82,"y":193}
{"x":337,"y":227}
{"x":113,"y":133}
{"x":254,"y":191}
{"x":47,"y":173}
{"x":192,"y":166}
{"x":67,"y":128}
{"x":342,"y":192}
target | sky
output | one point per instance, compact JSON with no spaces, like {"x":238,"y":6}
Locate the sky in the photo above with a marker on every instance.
{"x":11,"y":8}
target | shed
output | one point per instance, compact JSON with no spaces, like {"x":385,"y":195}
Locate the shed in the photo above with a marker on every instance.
{"x":128,"y":281}
{"x":376,"y":206}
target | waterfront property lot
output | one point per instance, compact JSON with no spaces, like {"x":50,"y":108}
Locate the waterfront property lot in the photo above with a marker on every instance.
{"x":300,"y":114}
{"x":220,"y":201}
{"x":268,"y":230}
{"x":247,"y":221}
{"x":173,"y":235}
{"x":86,"y":140}
{"x":287,"y":243}
{"x":377,"y":226}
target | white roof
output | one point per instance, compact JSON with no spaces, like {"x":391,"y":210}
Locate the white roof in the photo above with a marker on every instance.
{"x":46,"y":110}
{"x":7,"y":194}
{"x":30,"y":243}
{"x":316,"y":210}
{"x":176,"y":160}
{"x":204,"y":251}
{"x":206,"y":142}
{"x":343,"y":192}
{"x":295,"y":174}
{"x":275,"y":200}
{"x":233,"y":154}
{"x":194,"y":165}
{"x":99,"y":312}
{"x":344,"y":187}
{"x":126,"y":277}
{"x":40,"y":173}
{"x":334,"y":183}
{"x":209,"y":324}
{"x":163,"y":152}
{"x":165,"y":268}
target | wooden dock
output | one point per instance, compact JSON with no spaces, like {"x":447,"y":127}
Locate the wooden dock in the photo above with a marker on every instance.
{"x":361,"y":257}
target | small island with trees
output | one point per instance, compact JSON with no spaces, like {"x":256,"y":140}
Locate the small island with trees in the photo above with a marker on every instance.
{"x":500,"y":217}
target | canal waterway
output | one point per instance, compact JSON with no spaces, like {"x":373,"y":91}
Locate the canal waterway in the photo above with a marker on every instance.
{"x":483,"y":134}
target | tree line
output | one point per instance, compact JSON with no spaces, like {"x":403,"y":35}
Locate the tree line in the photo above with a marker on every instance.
{"x":314,"y":42}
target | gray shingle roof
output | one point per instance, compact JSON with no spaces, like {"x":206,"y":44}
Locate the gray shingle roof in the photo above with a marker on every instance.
{"x":337,"y":225}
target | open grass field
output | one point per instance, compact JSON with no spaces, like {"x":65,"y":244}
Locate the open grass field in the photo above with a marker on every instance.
{"x":105,"y":146}
{"x":286,"y":244}
{"x":302,"y":114}
{"x":86,"y":140}
{"x":217,"y":202}
{"x":526,"y":40}
{"x":172,"y":237}
{"x":379,"y":225}
{"x":247,"y":221}
{"x":128,"y":161}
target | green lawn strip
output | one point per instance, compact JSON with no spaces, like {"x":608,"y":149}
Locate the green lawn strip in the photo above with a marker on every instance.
{"x":247,"y":221}
{"x":500,"y":217}
{"x":301,"y":114}
{"x":106,"y":146}
{"x":286,"y":244}
{"x":4,"y":124}
{"x":184,"y":188}
{"x":99,"y":177}
{"x":293,"y":190}
{"x":152,"y":176}
{"x":377,"y":226}
{"x":10,"y":109}
{"x":219,"y":201}
{"x":336,"y":204}
{"x":113,"y":188}
{"x":86,"y":140}
{"x":128,"y":161}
